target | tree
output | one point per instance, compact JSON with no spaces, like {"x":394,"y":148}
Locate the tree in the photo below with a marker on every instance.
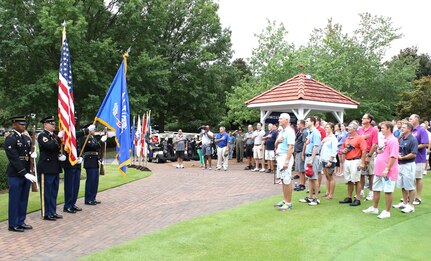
{"x":410,"y":56}
{"x":418,"y":100}
{"x":178,"y":66}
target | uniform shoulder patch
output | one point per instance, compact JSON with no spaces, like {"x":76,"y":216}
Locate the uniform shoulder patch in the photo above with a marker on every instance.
{"x":45,"y":139}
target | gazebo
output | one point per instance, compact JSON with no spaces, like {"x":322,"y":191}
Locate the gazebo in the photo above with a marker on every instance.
{"x":300,"y":95}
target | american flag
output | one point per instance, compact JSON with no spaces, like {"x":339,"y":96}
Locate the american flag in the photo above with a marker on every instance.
{"x":66,"y":109}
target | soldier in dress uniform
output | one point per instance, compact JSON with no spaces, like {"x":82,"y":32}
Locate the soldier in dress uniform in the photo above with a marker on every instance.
{"x":49,"y":168}
{"x":72,"y":175}
{"x":18,"y":150}
{"x":91,"y":165}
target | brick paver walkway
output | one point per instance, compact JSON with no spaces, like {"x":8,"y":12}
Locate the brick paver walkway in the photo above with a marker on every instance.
{"x":167,"y":197}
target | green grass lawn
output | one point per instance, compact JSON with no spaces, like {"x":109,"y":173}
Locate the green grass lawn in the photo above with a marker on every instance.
{"x":257,"y":231}
{"x":112,"y":178}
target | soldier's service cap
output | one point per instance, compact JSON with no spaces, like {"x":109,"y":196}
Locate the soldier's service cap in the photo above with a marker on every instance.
{"x":21,"y":119}
{"x":48,"y":119}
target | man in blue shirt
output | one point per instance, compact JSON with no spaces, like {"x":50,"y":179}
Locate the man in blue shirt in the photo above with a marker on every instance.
{"x":312,"y":149}
{"x":284,"y":151}
{"x":270,"y":138}
{"x":222,"y":141}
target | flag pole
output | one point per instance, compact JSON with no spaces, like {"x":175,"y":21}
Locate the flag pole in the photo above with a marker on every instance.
{"x":125,"y":55}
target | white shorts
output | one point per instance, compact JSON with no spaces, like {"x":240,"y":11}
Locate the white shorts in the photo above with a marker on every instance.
{"x":420,"y":167}
{"x":380,"y":184}
{"x":269,"y":155}
{"x":351,"y":170}
{"x":406,"y":176}
{"x":284,"y":174}
{"x":258,"y":151}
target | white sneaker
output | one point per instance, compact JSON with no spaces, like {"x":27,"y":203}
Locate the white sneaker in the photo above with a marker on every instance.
{"x":400,"y":205}
{"x":370,"y":196}
{"x":371,"y":210}
{"x":255,"y":169}
{"x":362,"y":193}
{"x":384,"y":214}
{"x":181,"y":166}
{"x":178,"y":166}
{"x":408,"y":209}
{"x":262,"y":170}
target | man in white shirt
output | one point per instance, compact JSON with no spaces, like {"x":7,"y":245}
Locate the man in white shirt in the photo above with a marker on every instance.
{"x":207,"y":137}
{"x":258,"y":147}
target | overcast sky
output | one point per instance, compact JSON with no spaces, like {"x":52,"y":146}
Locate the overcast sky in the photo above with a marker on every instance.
{"x":248,"y":17}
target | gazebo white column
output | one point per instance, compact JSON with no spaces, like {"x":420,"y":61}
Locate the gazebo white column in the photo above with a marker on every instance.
{"x":300,"y":113}
{"x":263,"y":116}
{"x":339,"y":115}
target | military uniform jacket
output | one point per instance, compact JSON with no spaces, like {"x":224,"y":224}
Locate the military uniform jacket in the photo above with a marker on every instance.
{"x":66,"y":164}
{"x":18,"y":150}
{"x":91,"y":153}
{"x":49,"y":147}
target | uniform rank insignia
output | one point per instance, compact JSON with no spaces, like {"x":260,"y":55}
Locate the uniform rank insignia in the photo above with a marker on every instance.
{"x":45,"y":139}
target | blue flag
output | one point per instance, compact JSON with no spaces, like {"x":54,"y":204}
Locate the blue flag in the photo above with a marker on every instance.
{"x":115,"y":115}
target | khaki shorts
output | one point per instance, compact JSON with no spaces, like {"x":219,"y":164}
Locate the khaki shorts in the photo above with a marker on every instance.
{"x":369,"y":168}
{"x":285,"y":175}
{"x":258,"y":152}
{"x":420,"y":167}
{"x":351,"y":170}
{"x":316,"y":166}
{"x":269,"y":155}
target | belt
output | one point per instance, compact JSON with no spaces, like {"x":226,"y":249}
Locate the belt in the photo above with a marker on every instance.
{"x":256,"y":144}
{"x":354,"y":158}
{"x":91,"y":153}
{"x":221,"y":147}
{"x":309,"y":155}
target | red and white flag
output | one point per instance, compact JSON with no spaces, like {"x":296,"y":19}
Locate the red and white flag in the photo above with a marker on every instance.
{"x":66,"y":109}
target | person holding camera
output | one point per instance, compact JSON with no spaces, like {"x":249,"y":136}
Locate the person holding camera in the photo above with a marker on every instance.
{"x":207,"y":136}
{"x":354,"y":149}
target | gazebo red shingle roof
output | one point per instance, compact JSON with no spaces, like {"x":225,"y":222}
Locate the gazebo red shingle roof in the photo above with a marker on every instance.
{"x":301,"y":88}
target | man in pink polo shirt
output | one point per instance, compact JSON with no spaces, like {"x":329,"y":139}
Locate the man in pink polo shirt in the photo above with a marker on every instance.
{"x":370,"y":135}
{"x":386,"y":171}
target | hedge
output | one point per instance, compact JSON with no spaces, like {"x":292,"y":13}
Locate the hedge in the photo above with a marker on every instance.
{"x":3,"y":166}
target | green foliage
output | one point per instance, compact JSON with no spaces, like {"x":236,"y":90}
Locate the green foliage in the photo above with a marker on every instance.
{"x":179,"y":56}
{"x":352,"y":64}
{"x":418,"y":100}
{"x":3,"y":165}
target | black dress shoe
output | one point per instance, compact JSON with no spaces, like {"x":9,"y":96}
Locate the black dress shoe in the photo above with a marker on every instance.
{"x":346,"y":201}
{"x":355,"y":203}
{"x":25,"y":226}
{"x":16,"y":229}
{"x":51,"y":218}
{"x":58,"y":216}
{"x":69,"y":210}
{"x":97,"y":202}
{"x":77,"y":208}
{"x":91,"y":203}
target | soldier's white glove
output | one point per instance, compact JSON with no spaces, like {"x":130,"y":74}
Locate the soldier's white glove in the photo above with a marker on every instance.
{"x":92,"y":127}
{"x":104,"y":137}
{"x":30,"y":177}
{"x":79,"y":160}
{"x":61,"y":134}
{"x":185,"y":153}
{"x":61,"y":157}
{"x":33,"y":155}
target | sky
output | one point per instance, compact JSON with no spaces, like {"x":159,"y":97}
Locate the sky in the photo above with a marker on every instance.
{"x":245,"y":18}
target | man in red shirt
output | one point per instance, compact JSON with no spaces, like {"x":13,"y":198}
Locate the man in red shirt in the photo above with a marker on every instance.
{"x":353,"y":148}
{"x":322,"y":136}
{"x":370,"y":135}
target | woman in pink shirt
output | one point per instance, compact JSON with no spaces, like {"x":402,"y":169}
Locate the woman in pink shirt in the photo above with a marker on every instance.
{"x":385,"y":171}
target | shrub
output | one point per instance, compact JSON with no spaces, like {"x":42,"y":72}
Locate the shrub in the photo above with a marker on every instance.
{"x":3,"y":165}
